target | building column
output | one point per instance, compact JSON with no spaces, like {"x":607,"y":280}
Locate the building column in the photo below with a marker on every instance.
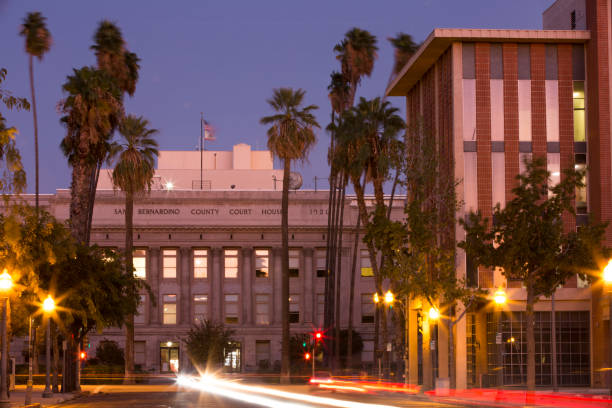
{"x":413,"y":343}
{"x":277,"y":287}
{"x":184,"y":286}
{"x":460,"y":337}
{"x":216,"y":285}
{"x":247,"y":284}
{"x":307,"y":287}
{"x":153,"y":272}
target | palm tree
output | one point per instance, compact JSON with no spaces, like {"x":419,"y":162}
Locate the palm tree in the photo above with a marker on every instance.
{"x":290,"y":137}
{"x":92,"y":110}
{"x":356,"y":53}
{"x":37,"y":43}
{"x":405,"y":47}
{"x":121,"y":65}
{"x":133,"y":174}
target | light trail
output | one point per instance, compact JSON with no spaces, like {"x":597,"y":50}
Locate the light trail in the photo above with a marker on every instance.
{"x":212,"y":384}
{"x":217,"y":389}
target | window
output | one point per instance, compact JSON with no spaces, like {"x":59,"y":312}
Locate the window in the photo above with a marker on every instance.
{"x":169,"y":263}
{"x":367,"y":352}
{"x":139,"y":353}
{"x":294,"y":309}
{"x":320,"y":255}
{"x":367,"y":308}
{"x":498,"y":178}
{"x":140,"y":263}
{"x":366,"y":266}
{"x":231,"y":263}
{"x":524,"y":106}
{"x":553,"y":165}
{"x":579,"y":118}
{"x":262,"y":354}
{"x":320,"y":309}
{"x":470,"y":181}
{"x":169,"y":309}
{"x":262,"y":263}
{"x":200,"y":263}
{"x":469,"y":109}
{"x":200,"y":308}
{"x":581,"y":192}
{"x":294,"y":263}
{"x":139,"y":317}
{"x":231,"y":309}
{"x":573,"y":20}
{"x":262,"y":309}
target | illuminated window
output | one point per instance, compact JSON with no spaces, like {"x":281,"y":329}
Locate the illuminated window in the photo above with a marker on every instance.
{"x":139,"y":317}
{"x":140,"y":263}
{"x":524,"y":106}
{"x":231,"y":263}
{"x":231,"y":309}
{"x":169,"y":263}
{"x":200,"y":263}
{"x":579,"y":115}
{"x":169,"y":309}
{"x":262,"y":263}
{"x":366,"y":266}
{"x":294,"y":309}
{"x":262,"y":309}
{"x":294,"y":263}
{"x":581,"y":192}
{"x":200,"y":308}
{"x":320,"y":263}
{"x":367,"y":308}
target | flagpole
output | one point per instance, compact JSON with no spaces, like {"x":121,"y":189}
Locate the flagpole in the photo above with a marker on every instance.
{"x":201,"y":149}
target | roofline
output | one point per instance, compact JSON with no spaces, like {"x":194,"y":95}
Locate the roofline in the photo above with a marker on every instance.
{"x":441,"y":38}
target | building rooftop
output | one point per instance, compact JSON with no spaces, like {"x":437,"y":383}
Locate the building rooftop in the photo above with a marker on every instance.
{"x":441,"y":38}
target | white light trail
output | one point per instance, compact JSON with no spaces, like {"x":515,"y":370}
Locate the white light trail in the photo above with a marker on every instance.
{"x":214,"y":385}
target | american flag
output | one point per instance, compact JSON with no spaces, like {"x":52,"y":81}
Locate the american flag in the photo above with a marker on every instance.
{"x":209,"y":131}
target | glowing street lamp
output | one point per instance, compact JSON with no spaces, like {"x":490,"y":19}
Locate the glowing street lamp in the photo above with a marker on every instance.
{"x":500,"y":297}
{"x":607,"y":278}
{"x":388,"y":297}
{"x":434,"y":314}
{"x":48,"y":307}
{"x":500,"y":300}
{"x":6,"y":283}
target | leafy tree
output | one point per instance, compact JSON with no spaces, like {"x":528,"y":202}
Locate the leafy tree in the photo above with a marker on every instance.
{"x":108,"y":352}
{"x":206,"y":343}
{"x":92,"y":110}
{"x":290,"y":138}
{"x":133,"y":174}
{"x":529,"y":242}
{"x":37,"y":43}
{"x":13,"y":178}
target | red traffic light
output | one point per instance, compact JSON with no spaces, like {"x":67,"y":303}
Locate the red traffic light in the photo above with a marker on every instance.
{"x":83,"y":355}
{"x":307,"y":356}
{"x":318,"y":335}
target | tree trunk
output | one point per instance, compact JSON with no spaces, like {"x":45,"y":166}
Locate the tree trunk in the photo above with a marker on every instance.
{"x":285,"y":362}
{"x":129,"y":266}
{"x":349,"y":350}
{"x":93,"y":185}
{"x":31,"y":66}
{"x":35,"y":354}
{"x":328,"y":304}
{"x":530,"y":338}
{"x":338,"y":269}
{"x":79,"y":200}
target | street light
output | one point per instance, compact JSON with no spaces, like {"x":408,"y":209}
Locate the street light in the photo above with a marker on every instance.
{"x":6,"y":283}
{"x":48,"y":307}
{"x":434,"y":315}
{"x":607,"y":277}
{"x":500,"y":299}
{"x":388,"y":297}
{"x":388,"y":300}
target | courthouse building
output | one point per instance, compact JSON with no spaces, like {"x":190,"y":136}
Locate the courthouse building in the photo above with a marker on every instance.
{"x":492,"y":98}
{"x":215,"y":253}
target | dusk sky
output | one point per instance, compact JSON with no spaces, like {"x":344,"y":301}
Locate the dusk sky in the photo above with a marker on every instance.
{"x":222,"y":58}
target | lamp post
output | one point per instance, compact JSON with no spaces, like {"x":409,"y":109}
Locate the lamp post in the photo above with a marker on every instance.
{"x":434,"y":316}
{"x":607,"y":277}
{"x":48,"y":307}
{"x":388,"y":300}
{"x":6,"y":283}
{"x":500,"y":299}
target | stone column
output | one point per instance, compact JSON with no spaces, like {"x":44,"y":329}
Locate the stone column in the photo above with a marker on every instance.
{"x":276,"y":284}
{"x":184,"y":285}
{"x":247,"y":284}
{"x":154,"y":280}
{"x":307,"y":287}
{"x":216,"y":285}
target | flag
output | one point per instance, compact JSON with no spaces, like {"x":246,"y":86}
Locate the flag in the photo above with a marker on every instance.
{"x":209,"y":132}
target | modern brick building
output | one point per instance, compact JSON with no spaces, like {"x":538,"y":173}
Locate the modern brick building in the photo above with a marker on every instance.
{"x":492,"y":97}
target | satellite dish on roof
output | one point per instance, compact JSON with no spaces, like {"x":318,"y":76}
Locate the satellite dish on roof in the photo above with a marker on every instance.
{"x":295,"y":181}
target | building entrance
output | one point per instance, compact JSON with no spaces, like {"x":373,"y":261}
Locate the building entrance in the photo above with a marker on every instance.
{"x":169,"y":357}
{"x":232,"y":361}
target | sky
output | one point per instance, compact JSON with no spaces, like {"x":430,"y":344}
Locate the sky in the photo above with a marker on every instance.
{"x":222,"y":58}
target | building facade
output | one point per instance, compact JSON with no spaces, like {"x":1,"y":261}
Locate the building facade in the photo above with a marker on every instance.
{"x":493,"y":98}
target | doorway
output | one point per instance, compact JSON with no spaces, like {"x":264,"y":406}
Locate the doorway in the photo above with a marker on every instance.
{"x":169,"y":357}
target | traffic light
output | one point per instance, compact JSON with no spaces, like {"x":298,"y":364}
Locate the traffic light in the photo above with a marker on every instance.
{"x":83,"y":355}
{"x":307,"y":356}
{"x":318,"y":336}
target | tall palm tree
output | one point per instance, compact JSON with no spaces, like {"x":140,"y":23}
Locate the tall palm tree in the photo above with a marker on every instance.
{"x":356,"y":53}
{"x":37,"y":43}
{"x":290,"y":138}
{"x":121,"y":65}
{"x":405,"y":47}
{"x":92,"y":109}
{"x":133,"y":174}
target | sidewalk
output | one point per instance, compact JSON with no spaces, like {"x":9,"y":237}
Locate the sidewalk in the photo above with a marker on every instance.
{"x":17,"y":396}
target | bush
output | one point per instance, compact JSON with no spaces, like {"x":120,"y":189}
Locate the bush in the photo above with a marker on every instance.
{"x":206,"y":343}
{"x":109,"y":353}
